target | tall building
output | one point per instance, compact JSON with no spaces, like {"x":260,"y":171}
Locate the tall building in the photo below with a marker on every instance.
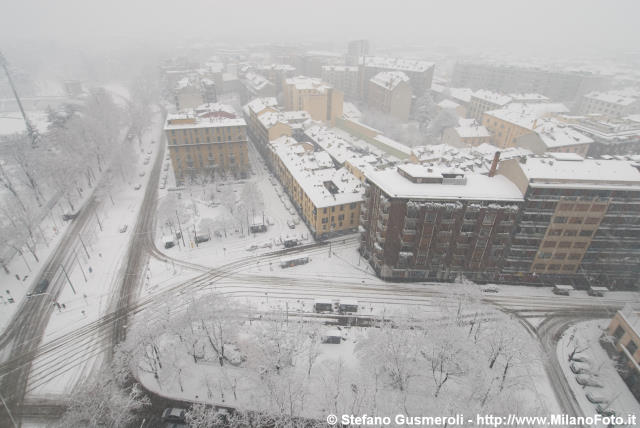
{"x":580,"y":222}
{"x":208,"y":140}
{"x":421,"y":222}
{"x":420,"y":72}
{"x":390,"y":93}
{"x":321,"y":100}
{"x":342,"y":77}
{"x":357,"y":49}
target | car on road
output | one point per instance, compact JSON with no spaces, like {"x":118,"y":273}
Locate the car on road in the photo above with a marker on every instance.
{"x":40,"y":288}
{"x":137,"y":186}
{"x":69,"y":216}
{"x":141,"y":174}
{"x":490,"y":288}
{"x":291,"y":224}
{"x":174,"y":414}
{"x":588,"y":380}
{"x":597,"y":291}
{"x":596,"y":398}
{"x":123,"y":228}
{"x":149,"y":152}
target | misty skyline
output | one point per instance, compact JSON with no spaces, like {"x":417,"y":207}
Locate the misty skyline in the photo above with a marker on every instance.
{"x":581,"y":27}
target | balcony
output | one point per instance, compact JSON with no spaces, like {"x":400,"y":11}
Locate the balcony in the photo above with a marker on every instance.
{"x":410,"y":232}
{"x":448,"y":221}
{"x":384,"y":215}
{"x":381,"y":225}
{"x":380,"y":237}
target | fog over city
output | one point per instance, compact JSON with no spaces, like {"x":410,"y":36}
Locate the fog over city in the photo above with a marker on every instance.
{"x":344,"y":213}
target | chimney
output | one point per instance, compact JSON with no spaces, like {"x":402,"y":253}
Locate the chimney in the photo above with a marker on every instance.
{"x":494,"y":164}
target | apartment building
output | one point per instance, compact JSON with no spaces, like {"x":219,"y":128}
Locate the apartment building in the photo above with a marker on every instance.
{"x":257,"y":86}
{"x":420,"y":72}
{"x":625,"y":329}
{"x":467,"y":134}
{"x":327,"y":198}
{"x":482,"y":101}
{"x":613,"y":103}
{"x":555,"y":84}
{"x":580,"y":222}
{"x":426,"y":223}
{"x":321,"y":100}
{"x":342,"y":77}
{"x":612,"y":136}
{"x":207,"y":141}
{"x":508,"y":124}
{"x":276,"y":73}
{"x":390,"y":93}
{"x":553,"y":136}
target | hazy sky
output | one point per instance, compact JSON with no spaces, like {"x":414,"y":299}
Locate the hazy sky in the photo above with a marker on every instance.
{"x":504,"y":24}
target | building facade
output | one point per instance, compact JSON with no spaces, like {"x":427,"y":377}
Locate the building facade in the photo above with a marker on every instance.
{"x":421,"y":223}
{"x":420,"y":72}
{"x":342,"y":77}
{"x":580,"y":222}
{"x":207,"y":142}
{"x":390,"y":93}
{"x":625,"y":329}
{"x":321,"y":100}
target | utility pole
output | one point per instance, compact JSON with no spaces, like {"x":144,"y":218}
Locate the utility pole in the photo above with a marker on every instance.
{"x":65,"y":274}
{"x":31,"y":130}
{"x":81,"y":269}
{"x":97,"y":218}
{"x":84,"y":246}
{"x":180,"y":228}
{"x":195,"y":235}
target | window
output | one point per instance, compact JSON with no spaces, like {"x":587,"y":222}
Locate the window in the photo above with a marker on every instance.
{"x":586,"y":232}
{"x":549,"y":244}
{"x":560,"y":256}
{"x":560,"y":220}
{"x":575,"y":256}
{"x":575,"y":220}
{"x":591,"y":220}
{"x":570,"y":232}
{"x":579,"y":245}
{"x":554,"y":267}
{"x":632,"y":347}
{"x":555,"y":232}
{"x":565,"y":207}
{"x":325,"y":220}
{"x":489,"y":218}
{"x":564,"y":244}
{"x":618,"y":333}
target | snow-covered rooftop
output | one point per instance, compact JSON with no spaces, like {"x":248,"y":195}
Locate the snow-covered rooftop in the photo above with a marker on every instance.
{"x":336,"y":146}
{"x":315,"y":173}
{"x":474,"y":187}
{"x":256,"y":81}
{"x":529,"y":97}
{"x":492,"y":97}
{"x":189,"y":120}
{"x":556,"y":134}
{"x":401,"y":64}
{"x":448,"y":104}
{"x":259,"y":104}
{"x":308,"y":83}
{"x":339,"y":68}
{"x":472,"y":131}
{"x":389,"y":79}
{"x":276,"y":67}
{"x":612,"y":97}
{"x":581,"y":172}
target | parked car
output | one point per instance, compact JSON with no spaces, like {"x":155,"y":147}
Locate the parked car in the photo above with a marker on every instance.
{"x":69,"y":216}
{"x":137,"y":186}
{"x":291,"y":224}
{"x":588,"y":380}
{"x":490,"y":288}
{"x":597,"y":291}
{"x":141,"y":174}
{"x":596,"y":398}
{"x":174,"y":414}
{"x":123,"y":228}
{"x":202,"y":238}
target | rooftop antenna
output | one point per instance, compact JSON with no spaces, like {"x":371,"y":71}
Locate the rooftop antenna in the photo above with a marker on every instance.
{"x":31,"y":130}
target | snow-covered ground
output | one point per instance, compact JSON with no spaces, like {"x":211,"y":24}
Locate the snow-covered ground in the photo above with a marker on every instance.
{"x":93,"y":274}
{"x":13,"y":123}
{"x":585,"y":337}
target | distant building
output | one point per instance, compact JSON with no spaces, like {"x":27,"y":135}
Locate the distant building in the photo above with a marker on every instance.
{"x":390,"y":93}
{"x":613,"y":103}
{"x":482,"y":101}
{"x":611,"y":136}
{"x":554,"y":136}
{"x":208,"y":140}
{"x":276,"y":73}
{"x":357,"y":49}
{"x":321,"y":100}
{"x":428,"y":223}
{"x":557,"y":85}
{"x":257,"y":86}
{"x":342,"y":77}
{"x":73,"y":88}
{"x":467,"y":135}
{"x":420,"y":72}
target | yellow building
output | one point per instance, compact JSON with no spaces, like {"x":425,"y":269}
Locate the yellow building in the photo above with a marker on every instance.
{"x":327,"y":198}
{"x":207,"y":141}
{"x":321,"y":100}
{"x":625,"y":329}
{"x":390,"y":93}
